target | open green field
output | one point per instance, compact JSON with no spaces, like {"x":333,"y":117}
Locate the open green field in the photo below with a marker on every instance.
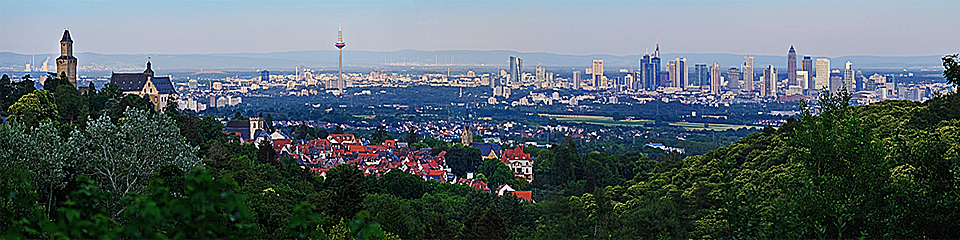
{"x":599,"y":120}
{"x":608,"y":121}
{"x":709,"y":126}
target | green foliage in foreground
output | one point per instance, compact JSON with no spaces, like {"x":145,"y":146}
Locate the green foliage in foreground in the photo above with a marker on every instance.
{"x":885,"y":170}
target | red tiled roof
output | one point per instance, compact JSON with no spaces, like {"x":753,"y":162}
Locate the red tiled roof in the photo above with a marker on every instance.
{"x":525,"y":195}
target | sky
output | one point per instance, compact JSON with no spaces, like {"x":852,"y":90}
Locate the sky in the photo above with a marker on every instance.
{"x":769,"y":27}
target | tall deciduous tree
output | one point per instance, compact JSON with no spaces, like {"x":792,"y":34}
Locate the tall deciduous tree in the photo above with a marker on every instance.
{"x":121,"y":157}
{"x":346,"y":183}
{"x":463,"y":159}
{"x":35,"y":108}
{"x":266,"y":154}
{"x":70,"y":104}
{"x":484,"y":223}
{"x":41,"y":151}
{"x":951,"y":68}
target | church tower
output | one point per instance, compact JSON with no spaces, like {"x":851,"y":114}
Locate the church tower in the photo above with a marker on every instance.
{"x":67,"y":63}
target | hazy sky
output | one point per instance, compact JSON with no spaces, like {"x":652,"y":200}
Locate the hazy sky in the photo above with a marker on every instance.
{"x":822,"y":28}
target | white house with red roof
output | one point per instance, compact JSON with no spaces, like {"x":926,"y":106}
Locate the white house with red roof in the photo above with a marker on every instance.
{"x":519,"y":162}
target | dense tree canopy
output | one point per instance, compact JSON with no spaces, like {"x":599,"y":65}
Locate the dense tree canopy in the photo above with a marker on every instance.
{"x":34,"y":108}
{"x":884,"y":170}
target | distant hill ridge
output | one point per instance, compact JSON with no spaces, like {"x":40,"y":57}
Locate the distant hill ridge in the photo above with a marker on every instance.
{"x":464,"y":58}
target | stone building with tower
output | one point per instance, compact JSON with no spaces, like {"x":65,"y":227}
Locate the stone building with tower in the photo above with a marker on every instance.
{"x":466,"y":136}
{"x":67,"y":63}
{"x":157,"y":90}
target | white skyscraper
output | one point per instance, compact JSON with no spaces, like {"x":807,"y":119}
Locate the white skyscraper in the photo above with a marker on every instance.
{"x":542,"y":77}
{"x":576,"y":80}
{"x":823,"y":73}
{"x":598,"y":75}
{"x":848,"y":80}
{"x":747,"y":74}
{"x":715,"y":78}
{"x":770,"y":82}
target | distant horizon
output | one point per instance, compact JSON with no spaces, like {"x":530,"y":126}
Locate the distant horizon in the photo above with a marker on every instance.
{"x":800,"y":56}
{"x":322,"y":59}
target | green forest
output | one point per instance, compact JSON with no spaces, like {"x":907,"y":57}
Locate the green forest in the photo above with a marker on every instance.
{"x":104,"y":165}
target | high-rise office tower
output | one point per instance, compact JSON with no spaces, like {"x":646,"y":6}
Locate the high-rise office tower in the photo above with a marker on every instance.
{"x":683,"y":78}
{"x":861,"y":81}
{"x":67,"y":63}
{"x":516,"y":68}
{"x":641,"y":71}
{"x":672,"y":74}
{"x":576,"y":80}
{"x":803,"y":77}
{"x":702,"y":75}
{"x":747,"y":73}
{"x":627,"y":83}
{"x":733,"y":79}
{"x":808,"y":67}
{"x":715,"y":78}
{"x":264,"y":76}
{"x":598,"y":74}
{"x":649,"y":77}
{"x":542,"y":77}
{"x":664,"y":79}
{"x":848,"y":80}
{"x":655,"y":60}
{"x":835,"y":84}
{"x":792,"y":67}
{"x":770,"y":82}
{"x":823,"y":74}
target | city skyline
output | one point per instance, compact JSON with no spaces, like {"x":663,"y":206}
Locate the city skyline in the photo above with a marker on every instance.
{"x":880,"y":28}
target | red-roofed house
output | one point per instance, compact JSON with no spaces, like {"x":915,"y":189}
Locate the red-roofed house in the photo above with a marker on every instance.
{"x":521,"y":163}
{"x":341,"y":138}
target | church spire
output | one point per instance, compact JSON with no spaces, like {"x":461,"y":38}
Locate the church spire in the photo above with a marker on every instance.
{"x":149,"y":69}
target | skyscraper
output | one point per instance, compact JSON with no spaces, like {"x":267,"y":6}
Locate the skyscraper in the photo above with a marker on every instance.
{"x":848,"y":80}
{"x":67,"y":63}
{"x":861,"y":81}
{"x":715,"y":78}
{"x":823,"y":74}
{"x":808,"y":67}
{"x":747,"y":73}
{"x":264,"y":76}
{"x":655,"y":61}
{"x":671,"y":81}
{"x":733,"y":79}
{"x":649,"y":77}
{"x":542,"y":77}
{"x":516,"y":68}
{"x":792,"y":67}
{"x":683,"y":78}
{"x":770,"y":82}
{"x":340,"y":44}
{"x":576,"y":80}
{"x":597,"y":74}
{"x":702,"y":76}
{"x":803,"y":77}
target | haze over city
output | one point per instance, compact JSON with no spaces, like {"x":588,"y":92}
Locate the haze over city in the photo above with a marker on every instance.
{"x":483,"y":119}
{"x":823,"y":28}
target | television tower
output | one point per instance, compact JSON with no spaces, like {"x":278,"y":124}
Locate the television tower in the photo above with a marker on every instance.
{"x":340,"y":45}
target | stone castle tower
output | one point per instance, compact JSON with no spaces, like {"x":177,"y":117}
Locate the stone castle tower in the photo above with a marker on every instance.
{"x":67,"y":63}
